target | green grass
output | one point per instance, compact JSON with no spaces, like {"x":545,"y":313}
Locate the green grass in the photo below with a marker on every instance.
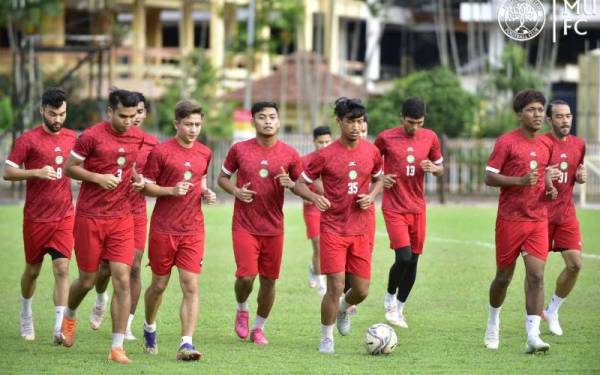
{"x":446,"y":311}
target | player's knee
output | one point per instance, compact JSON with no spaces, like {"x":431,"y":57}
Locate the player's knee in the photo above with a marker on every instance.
{"x":61,"y":271}
{"x":87,"y":282}
{"x":403,"y":255}
{"x":135,"y":272}
{"x":246,"y":281}
{"x":574,"y":267}
{"x":503,"y":281}
{"x":535,"y":279}
{"x":361,"y":292}
{"x":336,"y":287}
{"x":32,"y":273}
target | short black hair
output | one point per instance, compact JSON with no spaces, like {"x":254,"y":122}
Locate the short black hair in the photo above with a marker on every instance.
{"x":54,"y":97}
{"x":366,"y":117}
{"x":259,"y":106}
{"x":526,"y":97}
{"x":321,"y":130}
{"x":125,"y":97}
{"x":349,"y":108}
{"x":142,"y":99}
{"x":413,"y":107}
{"x":552,"y":104}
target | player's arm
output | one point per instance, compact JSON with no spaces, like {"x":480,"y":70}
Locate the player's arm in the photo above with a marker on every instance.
{"x":302,"y":190}
{"x":12,"y":173}
{"x":152,"y":189}
{"x":495,"y":179}
{"x":208,"y":195}
{"x":74,"y":169}
{"x":366,"y":200}
{"x":430,"y":167}
{"x":244,"y":193}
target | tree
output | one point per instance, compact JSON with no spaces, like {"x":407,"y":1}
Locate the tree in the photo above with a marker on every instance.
{"x":450,"y":109}
{"x":199,"y":83}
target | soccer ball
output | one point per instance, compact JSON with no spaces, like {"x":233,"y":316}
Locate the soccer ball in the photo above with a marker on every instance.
{"x":380,"y":339}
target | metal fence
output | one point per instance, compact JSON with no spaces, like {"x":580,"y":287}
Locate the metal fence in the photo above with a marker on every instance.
{"x":464,"y":161}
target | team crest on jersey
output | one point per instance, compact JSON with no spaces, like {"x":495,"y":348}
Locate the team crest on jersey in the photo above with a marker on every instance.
{"x":352,"y":174}
{"x":59,"y":159}
{"x":410,"y":159}
{"x":533,"y":164}
{"x":564,"y":165}
{"x":121,"y":161}
{"x":264,"y":173}
{"x":187,"y":175}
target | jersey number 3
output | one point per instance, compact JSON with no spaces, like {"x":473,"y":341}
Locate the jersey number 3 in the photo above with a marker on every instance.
{"x":352,"y":187}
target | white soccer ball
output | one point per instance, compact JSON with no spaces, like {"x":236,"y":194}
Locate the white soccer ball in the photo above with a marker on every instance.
{"x":380,"y":339}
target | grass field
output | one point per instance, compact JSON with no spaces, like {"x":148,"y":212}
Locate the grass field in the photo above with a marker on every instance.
{"x":446,"y":311}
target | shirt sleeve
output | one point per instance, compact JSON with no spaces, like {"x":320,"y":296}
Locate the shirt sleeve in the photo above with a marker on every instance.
{"x":435,"y":152}
{"x":153,"y":167}
{"x":314,"y":168}
{"x":18,"y":155}
{"x":296,"y":166}
{"x":84,"y":146}
{"x":231,"y":165}
{"x":378,"y":164}
{"x":208,"y":160}
{"x":498,"y":157}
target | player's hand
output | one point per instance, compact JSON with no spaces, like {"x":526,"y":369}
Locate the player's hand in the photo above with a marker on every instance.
{"x":581,"y":174}
{"x":389,"y":180}
{"x":108,"y":181}
{"x":138,"y":182}
{"x":244,"y":194}
{"x":427,"y":166}
{"x":321,"y":203}
{"x":209,"y":196}
{"x":552,"y":193}
{"x":553,"y":172}
{"x":284,"y":179}
{"x":529,"y":179}
{"x":364,"y":201}
{"x":46,"y":173}
{"x":181,"y":189}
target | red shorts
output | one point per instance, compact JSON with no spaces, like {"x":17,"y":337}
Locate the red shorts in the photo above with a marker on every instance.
{"x":351,"y":254}
{"x":139,"y":232}
{"x":182,"y":251}
{"x":514,"y":237}
{"x":98,"y":239}
{"x":38,"y":238}
{"x":312,"y":219}
{"x":257,"y":255}
{"x":406,"y":230}
{"x":564,"y":236}
{"x":372,"y":227}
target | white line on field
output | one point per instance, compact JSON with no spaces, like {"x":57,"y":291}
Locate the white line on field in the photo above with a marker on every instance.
{"x":487,"y":245}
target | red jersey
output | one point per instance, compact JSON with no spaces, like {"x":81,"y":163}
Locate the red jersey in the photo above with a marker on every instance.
{"x":568,"y":154}
{"x":105,"y":151}
{"x":402,"y":155}
{"x":346,"y":173}
{"x":308,"y":206}
{"x":515,"y":154}
{"x":45,"y":200}
{"x":259,"y":165}
{"x":137,"y":199}
{"x":168,"y":164}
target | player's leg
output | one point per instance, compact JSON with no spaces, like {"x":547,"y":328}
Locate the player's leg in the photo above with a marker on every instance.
{"x":329,"y":309}
{"x":188,"y":314}
{"x":564,"y":285}
{"x":246,"y":251}
{"x":320,"y":279}
{"x":152,"y":301}
{"x":60,"y":269}
{"x":99,"y":308}
{"x":358,"y":266}
{"x":269,"y":265}
{"x":28,"y":284}
{"x":407,"y":281}
{"x":77,"y":292}
{"x":119,"y":308}
{"x":136,"y":289}
{"x":534,"y":302}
